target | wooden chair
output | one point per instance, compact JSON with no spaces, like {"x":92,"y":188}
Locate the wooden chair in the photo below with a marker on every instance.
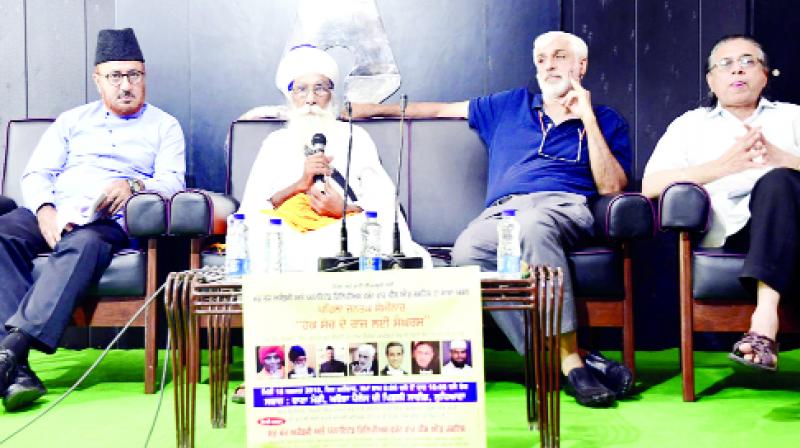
{"x":711,"y":297}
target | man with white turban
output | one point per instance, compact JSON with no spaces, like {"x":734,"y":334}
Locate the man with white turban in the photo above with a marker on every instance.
{"x":281,"y":182}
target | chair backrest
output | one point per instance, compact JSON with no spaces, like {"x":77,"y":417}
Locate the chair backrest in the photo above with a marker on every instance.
{"x":22,"y":136}
{"x":443,"y":177}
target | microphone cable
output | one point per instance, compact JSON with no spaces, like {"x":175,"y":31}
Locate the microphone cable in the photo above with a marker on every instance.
{"x":91,"y":369}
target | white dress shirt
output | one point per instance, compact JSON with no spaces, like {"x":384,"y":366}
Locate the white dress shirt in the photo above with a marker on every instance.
{"x":703,"y":135}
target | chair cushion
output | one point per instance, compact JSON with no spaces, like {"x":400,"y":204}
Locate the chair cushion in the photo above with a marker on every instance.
{"x":124,"y":277}
{"x":597,"y":272}
{"x":716,"y":275}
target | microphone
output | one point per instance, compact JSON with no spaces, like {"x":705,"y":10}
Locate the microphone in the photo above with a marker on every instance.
{"x":318,"y":143}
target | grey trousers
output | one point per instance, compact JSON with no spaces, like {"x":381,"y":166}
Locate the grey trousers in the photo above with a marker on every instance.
{"x":550,"y":223}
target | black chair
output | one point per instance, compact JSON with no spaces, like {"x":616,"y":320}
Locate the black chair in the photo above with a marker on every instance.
{"x":130,"y":278}
{"x":711,"y":297}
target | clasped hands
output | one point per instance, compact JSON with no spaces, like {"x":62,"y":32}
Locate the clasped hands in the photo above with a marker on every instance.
{"x":753,"y":150}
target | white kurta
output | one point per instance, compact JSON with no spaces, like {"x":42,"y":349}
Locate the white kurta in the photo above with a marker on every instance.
{"x":280,"y":163}
{"x":703,"y":135}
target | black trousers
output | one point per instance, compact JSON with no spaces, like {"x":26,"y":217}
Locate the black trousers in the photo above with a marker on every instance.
{"x":43,"y":308}
{"x":772,"y":236}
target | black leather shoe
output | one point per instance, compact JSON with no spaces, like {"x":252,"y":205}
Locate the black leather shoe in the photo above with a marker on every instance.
{"x":615,"y":376}
{"x":8,"y":368}
{"x":24,"y":390}
{"x":587,"y":390}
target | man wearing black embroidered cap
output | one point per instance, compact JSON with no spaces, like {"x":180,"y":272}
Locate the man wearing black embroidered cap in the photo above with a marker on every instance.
{"x":119,"y":143}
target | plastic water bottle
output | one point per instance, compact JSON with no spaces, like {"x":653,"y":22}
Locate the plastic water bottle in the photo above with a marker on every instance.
{"x":274,"y":246}
{"x":370,"y":259}
{"x":237,"y":263}
{"x":508,"y":246}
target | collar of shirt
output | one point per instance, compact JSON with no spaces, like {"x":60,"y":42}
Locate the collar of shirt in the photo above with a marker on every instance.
{"x":763,"y":103}
{"x":134,"y":116}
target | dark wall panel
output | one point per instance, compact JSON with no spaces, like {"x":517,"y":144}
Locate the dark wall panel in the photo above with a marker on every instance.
{"x":777,"y":26}
{"x":509,"y":58}
{"x":668,"y":71}
{"x":56,"y":49}
{"x":612,"y":52}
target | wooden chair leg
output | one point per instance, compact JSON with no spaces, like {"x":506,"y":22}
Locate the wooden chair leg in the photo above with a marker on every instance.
{"x":150,"y":352}
{"x":687,"y":316}
{"x":628,"y":343}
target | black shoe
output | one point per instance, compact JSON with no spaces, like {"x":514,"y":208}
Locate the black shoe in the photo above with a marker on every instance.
{"x":24,"y":390}
{"x":615,"y":376}
{"x":8,"y":368}
{"x":587,"y":390}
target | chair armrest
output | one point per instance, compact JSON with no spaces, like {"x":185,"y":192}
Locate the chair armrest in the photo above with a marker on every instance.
{"x":146,"y":215}
{"x":684,"y":206}
{"x":200,"y":212}
{"x":624,"y":216}
{"x":6,"y":205}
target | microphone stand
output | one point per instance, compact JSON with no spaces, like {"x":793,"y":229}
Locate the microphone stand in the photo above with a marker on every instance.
{"x":398,"y":260}
{"x":343,"y":252}
{"x":344,"y":260}
{"x":396,"y":252}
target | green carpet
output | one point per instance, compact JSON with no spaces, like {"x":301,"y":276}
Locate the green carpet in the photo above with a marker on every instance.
{"x":735,"y":408}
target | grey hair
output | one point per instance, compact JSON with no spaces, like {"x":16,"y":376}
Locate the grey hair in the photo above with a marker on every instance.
{"x":725,"y":39}
{"x":577,"y":44}
{"x":366,"y":349}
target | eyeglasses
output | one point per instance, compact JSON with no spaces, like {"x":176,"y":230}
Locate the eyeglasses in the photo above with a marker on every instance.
{"x":319,"y":90}
{"x":745,"y":61}
{"x":115,"y":78}
{"x":541,"y":153}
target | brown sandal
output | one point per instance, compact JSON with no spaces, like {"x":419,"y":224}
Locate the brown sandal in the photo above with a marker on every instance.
{"x":762,"y":347}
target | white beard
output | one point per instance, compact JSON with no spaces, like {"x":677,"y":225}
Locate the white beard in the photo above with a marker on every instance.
{"x":303,"y":122}
{"x":551,"y":91}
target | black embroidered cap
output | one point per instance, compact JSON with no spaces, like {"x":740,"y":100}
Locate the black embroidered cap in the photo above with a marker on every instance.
{"x":117,"y":45}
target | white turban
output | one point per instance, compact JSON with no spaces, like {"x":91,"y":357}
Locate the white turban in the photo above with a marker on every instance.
{"x":302,"y":61}
{"x":458,"y":344}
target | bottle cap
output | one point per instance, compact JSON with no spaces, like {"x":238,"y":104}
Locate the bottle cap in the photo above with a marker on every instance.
{"x":372,"y":214}
{"x":510,"y":212}
{"x":238,"y":216}
{"x":275,"y":221}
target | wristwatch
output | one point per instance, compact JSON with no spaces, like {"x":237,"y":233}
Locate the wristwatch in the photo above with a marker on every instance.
{"x":135,"y":185}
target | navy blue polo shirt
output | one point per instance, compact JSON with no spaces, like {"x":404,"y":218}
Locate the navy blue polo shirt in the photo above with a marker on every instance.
{"x":509,"y":124}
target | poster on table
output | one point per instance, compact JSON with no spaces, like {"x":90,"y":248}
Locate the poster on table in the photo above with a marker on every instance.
{"x":365,"y":359}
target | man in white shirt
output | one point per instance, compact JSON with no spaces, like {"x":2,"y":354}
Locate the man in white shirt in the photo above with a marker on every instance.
{"x":745,"y":150}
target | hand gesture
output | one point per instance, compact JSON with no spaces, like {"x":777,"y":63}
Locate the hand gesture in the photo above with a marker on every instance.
{"x":774,"y":156}
{"x":117,"y":193}
{"x":315,"y":164}
{"x":329,"y":203}
{"x":46,"y":216}
{"x":578,"y":101}
{"x":746,"y":153}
